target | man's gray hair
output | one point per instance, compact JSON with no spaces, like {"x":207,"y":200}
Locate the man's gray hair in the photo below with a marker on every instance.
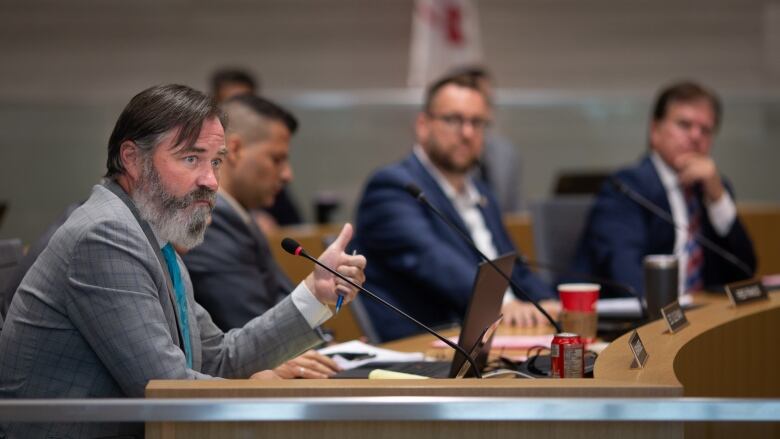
{"x":154,"y":112}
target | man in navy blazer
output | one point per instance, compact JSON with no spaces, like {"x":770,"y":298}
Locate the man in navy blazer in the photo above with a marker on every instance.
{"x":417,"y":262}
{"x":679,"y":175}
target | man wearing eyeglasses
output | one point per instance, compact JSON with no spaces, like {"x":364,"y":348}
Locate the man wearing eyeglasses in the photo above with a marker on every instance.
{"x":417,"y":262}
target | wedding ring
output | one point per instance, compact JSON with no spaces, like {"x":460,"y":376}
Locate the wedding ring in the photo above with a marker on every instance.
{"x":300,"y":371}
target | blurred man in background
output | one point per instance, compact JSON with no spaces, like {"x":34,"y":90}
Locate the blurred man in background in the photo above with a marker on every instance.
{"x":225,"y":84}
{"x":500,"y":165}
{"x":418,"y":263}
{"x":229,"y":82}
{"x":234,"y":274}
{"x":679,"y":175}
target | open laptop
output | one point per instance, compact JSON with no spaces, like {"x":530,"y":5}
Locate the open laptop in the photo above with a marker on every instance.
{"x":476,"y":333}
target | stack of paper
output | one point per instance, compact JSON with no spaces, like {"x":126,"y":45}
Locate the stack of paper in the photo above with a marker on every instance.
{"x":365,"y":353}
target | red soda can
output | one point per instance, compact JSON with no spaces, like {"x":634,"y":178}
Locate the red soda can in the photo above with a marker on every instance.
{"x":567,"y":356}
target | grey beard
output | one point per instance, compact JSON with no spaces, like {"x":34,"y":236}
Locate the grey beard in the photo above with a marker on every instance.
{"x":170,"y":216}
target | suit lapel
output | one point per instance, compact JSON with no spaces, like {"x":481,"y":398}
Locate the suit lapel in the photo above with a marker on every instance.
{"x":656,"y":189}
{"x":265,"y":260}
{"x":663,"y":233}
{"x":438,"y":199}
{"x":167,"y":300}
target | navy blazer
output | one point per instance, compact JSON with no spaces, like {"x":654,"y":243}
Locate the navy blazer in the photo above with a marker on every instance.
{"x":234,"y":274}
{"x":620,"y":233}
{"x":417,"y":262}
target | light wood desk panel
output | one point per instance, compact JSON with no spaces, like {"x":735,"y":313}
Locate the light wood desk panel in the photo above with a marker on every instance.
{"x":720,"y":344}
{"x":413,"y":430}
{"x":724,"y":352}
{"x":380,"y":429}
{"x":573,"y":388}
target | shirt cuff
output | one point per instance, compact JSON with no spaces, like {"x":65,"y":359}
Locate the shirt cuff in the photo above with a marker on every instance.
{"x":508,"y":296}
{"x":722,"y":214}
{"x":314,"y":311}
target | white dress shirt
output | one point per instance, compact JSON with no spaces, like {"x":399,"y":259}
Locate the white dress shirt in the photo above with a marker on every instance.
{"x":721,"y":213}
{"x":466,"y":203}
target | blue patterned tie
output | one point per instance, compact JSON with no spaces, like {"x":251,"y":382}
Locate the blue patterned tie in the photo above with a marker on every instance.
{"x":181,"y":299}
{"x":694,"y":280}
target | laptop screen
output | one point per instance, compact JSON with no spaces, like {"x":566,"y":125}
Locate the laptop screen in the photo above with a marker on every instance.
{"x":483,"y":310}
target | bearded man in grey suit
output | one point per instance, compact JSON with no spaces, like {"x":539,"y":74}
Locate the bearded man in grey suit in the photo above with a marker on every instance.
{"x":108,"y":305}
{"x":234,"y":275}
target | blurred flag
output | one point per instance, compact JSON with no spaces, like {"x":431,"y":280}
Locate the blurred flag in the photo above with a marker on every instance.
{"x":445,"y":35}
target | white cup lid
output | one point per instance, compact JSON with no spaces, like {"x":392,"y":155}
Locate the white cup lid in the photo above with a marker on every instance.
{"x":579,"y":288}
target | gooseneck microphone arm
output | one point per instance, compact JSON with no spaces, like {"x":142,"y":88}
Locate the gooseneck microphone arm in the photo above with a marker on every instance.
{"x":660,"y":213}
{"x":292,"y":247}
{"x":417,"y":193}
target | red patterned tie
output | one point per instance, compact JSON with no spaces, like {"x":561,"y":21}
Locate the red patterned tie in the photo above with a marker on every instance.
{"x":693,"y":272}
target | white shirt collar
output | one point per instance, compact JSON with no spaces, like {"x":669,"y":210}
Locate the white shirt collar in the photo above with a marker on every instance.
{"x":665,"y":172}
{"x":470,"y":194}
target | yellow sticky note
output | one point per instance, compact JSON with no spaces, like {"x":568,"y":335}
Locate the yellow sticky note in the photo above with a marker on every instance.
{"x":381,"y":374}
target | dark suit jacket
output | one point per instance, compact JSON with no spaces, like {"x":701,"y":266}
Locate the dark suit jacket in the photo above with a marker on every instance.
{"x":620,"y":233}
{"x":415,"y":261}
{"x":233,"y":272}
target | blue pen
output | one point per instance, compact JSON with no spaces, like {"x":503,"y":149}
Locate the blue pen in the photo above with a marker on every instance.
{"x":340,"y":300}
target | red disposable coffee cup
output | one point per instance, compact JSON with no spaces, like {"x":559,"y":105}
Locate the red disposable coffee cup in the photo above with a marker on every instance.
{"x":578,"y":309}
{"x":579,"y":297}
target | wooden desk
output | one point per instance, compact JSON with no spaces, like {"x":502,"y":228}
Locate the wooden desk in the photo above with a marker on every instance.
{"x":574,"y":388}
{"x":380,"y":429}
{"x":731,"y":352}
{"x":724,"y":352}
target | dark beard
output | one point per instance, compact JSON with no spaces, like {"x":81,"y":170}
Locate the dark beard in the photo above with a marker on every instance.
{"x":443,"y":162}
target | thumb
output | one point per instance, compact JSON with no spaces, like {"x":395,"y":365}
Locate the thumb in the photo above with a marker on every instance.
{"x":340,"y":244}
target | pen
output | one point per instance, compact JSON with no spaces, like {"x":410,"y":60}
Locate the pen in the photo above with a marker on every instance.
{"x":340,"y":300}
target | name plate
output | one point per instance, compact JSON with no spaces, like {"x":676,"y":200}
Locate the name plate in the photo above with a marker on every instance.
{"x":638,"y":349}
{"x":674,"y":317}
{"x":744,"y":292}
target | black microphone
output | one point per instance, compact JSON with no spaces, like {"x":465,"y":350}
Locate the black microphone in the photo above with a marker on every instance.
{"x":660,"y":213}
{"x":417,"y":193}
{"x":292,"y":247}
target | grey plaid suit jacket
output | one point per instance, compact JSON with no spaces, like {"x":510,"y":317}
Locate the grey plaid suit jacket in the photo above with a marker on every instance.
{"x":95,"y":318}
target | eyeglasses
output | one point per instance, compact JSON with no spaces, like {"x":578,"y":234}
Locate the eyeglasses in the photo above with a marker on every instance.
{"x":456,"y":121}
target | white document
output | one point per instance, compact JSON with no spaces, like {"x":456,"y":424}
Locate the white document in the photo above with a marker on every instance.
{"x":372,"y":353}
{"x":619,"y":307}
{"x":628,"y":307}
